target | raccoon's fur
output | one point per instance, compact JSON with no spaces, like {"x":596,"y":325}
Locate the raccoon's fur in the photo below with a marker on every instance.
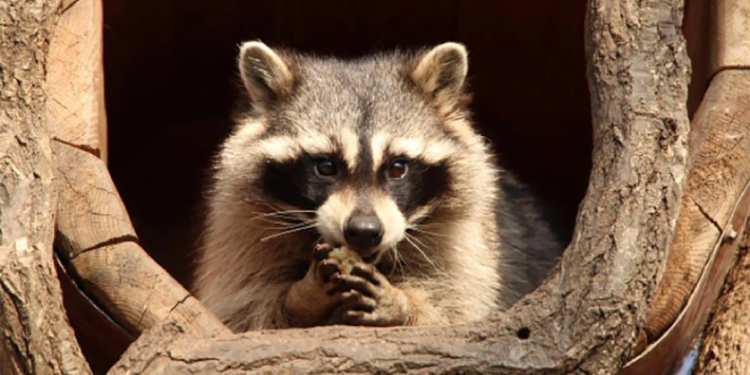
{"x":377,"y":154}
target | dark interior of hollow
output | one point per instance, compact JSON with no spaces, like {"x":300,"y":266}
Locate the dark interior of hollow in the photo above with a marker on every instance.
{"x":171,"y":84}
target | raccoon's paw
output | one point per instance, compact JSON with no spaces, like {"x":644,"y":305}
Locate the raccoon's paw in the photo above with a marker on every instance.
{"x":370,"y":300}
{"x":323,"y":267}
{"x":309,"y":300}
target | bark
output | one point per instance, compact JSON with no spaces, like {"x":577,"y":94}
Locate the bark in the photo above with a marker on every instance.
{"x":36,"y":336}
{"x":726,"y":347}
{"x":588,"y":315}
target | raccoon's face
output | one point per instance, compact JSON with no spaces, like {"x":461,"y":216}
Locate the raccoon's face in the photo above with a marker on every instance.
{"x":360,"y":147}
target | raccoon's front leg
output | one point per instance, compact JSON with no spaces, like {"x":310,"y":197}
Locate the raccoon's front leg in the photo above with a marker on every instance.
{"x":310,"y":301}
{"x":369,"y":299}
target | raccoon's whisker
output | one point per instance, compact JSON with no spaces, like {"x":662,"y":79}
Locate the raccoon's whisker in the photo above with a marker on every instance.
{"x":414,"y":228}
{"x":409,"y":239}
{"x":282,"y":214}
{"x":269,"y":204}
{"x":284,"y":226}
{"x":398,"y":259}
{"x":424,"y":242}
{"x":286,"y":212}
{"x":282,"y":222}
{"x":306,"y":227}
{"x":394,"y":258}
{"x":277,"y":222}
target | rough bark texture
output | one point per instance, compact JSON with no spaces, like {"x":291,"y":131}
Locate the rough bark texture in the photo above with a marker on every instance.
{"x":36,"y":336}
{"x":726,"y":348}
{"x":587,"y":317}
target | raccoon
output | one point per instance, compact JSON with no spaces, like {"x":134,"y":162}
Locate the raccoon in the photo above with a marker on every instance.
{"x":377,"y":154}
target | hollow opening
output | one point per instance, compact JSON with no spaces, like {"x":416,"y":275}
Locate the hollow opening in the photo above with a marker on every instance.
{"x":171,"y":85}
{"x":523,"y":333}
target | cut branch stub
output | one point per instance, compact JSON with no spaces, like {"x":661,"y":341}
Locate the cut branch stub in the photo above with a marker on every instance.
{"x":730,"y":44}
{"x":586,"y":317}
{"x":96,"y":236}
{"x":90,"y":212}
{"x":75,"y":78}
{"x":138,"y":292}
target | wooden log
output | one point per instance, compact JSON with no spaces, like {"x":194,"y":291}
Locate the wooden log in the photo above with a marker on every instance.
{"x":75,"y":78}
{"x":36,"y":336}
{"x":90,"y":212}
{"x":102,"y":340}
{"x":586,"y":317}
{"x":720,"y":170}
{"x":97,"y":238}
{"x":730,"y":35}
{"x":715,"y":210}
{"x":137,"y":291}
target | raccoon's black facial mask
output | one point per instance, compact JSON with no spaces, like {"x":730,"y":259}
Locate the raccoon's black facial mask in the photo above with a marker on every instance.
{"x":305,"y":182}
{"x":308,"y":181}
{"x":413,"y":183}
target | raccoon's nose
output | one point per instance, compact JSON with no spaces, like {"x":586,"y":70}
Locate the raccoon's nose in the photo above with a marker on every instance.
{"x":363,"y":232}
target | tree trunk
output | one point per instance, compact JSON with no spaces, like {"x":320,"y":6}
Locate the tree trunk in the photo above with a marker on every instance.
{"x":36,"y":336}
{"x":587,"y":317}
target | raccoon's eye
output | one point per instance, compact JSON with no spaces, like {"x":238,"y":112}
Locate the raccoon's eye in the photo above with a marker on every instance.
{"x":398,"y":169}
{"x":326,"y":167}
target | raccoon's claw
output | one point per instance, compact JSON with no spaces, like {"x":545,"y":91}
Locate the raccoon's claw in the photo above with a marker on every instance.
{"x":368,"y":312}
{"x":370,"y":273}
{"x":354,"y":300}
{"x":369,"y":299}
{"x":353,"y":282}
{"x":357,"y":318}
{"x":326,"y":269}
{"x":320,"y":251}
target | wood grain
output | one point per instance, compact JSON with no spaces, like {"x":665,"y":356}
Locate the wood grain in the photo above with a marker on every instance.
{"x":137,"y":291}
{"x":96,"y":237}
{"x":730,"y":35}
{"x":75,"y":78}
{"x":90,"y":211}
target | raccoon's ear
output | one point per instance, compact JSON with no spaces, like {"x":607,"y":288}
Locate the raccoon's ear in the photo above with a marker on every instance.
{"x":441,"y":72}
{"x":265,"y":74}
